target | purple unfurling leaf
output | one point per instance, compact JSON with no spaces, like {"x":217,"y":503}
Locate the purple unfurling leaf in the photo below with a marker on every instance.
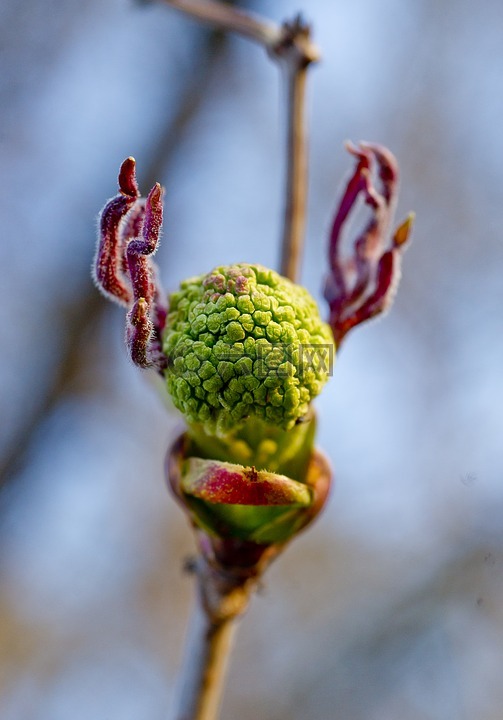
{"x":363,"y":285}
{"x":124,"y":270}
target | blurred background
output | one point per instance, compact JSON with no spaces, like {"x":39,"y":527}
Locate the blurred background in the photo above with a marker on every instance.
{"x":390,"y":607}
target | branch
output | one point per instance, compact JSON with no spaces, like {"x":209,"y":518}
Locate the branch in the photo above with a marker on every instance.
{"x":205,"y":664}
{"x":295,"y":63}
{"x":290,"y":45}
{"x":226,"y":17}
{"x":221,"y":600}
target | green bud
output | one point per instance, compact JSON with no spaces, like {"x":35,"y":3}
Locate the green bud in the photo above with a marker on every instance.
{"x":232,"y":500}
{"x":252,"y":338}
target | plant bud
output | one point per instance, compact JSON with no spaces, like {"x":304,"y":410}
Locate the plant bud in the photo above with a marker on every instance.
{"x":244,"y":342}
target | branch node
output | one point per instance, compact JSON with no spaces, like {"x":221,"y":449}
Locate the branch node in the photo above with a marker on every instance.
{"x":294,"y":44}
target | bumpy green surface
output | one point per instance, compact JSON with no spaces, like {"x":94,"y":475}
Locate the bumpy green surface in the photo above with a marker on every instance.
{"x":243,"y":341}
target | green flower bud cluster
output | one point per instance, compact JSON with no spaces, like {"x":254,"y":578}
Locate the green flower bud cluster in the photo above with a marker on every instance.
{"x":243,"y":341}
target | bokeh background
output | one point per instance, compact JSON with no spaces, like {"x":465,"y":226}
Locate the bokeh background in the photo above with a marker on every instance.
{"x":390,"y":608}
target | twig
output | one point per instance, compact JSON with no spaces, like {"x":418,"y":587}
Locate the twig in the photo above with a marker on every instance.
{"x":290,"y":44}
{"x":226,"y":17}
{"x":223,"y":596}
{"x":296,"y":54}
{"x":205,"y":663}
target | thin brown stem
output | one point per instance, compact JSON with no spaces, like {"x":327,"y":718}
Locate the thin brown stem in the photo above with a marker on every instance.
{"x":205,"y":663}
{"x":231,"y":19}
{"x":295,"y":52}
{"x":222,"y":597}
{"x":294,"y":221}
{"x":290,"y":44}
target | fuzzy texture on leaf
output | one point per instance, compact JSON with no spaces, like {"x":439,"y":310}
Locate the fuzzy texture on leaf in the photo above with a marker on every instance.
{"x":129,"y":232}
{"x":243,"y":341}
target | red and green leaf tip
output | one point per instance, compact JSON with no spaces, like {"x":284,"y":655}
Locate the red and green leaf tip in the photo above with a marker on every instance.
{"x":244,"y":351}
